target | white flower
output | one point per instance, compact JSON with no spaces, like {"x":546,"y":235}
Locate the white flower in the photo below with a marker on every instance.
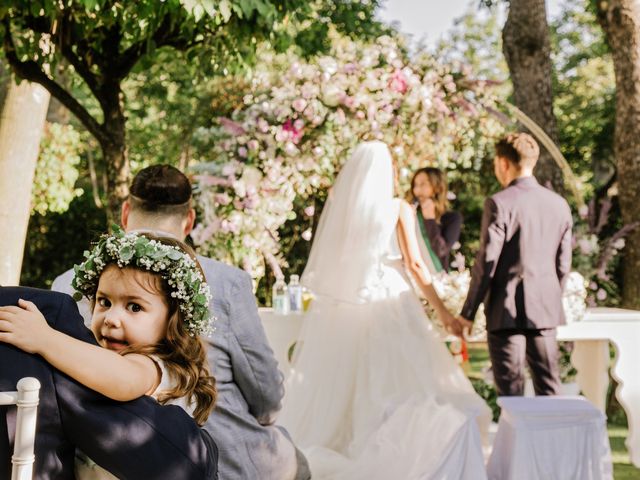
{"x":251,"y":177}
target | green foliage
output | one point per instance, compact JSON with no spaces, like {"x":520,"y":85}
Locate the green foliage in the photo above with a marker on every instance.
{"x":584,"y":88}
{"x":169,"y":105}
{"x":488,"y":394}
{"x":56,"y":173}
{"x":55,"y":242}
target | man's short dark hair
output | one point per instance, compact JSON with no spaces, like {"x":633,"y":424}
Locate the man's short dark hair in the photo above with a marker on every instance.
{"x":161,"y":189}
{"x":521,"y":149}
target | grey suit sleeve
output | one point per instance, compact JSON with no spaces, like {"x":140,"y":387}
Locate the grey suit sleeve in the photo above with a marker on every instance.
{"x":492,"y":237}
{"x":255,"y":368}
{"x":563,"y":256}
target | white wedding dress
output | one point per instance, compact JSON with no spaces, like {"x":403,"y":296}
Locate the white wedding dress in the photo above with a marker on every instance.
{"x":374,"y":392}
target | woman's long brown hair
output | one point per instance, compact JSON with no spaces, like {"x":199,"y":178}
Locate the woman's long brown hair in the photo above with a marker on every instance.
{"x":438,"y":182}
{"x":184,"y":356}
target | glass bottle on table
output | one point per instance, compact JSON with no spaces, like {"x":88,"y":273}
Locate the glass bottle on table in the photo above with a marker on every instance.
{"x":280,"y":297}
{"x":295,"y":294}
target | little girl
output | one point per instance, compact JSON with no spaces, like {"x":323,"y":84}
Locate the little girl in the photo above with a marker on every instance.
{"x":150,"y":303}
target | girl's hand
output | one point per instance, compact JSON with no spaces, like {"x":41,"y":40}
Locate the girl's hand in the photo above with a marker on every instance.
{"x":428,"y":208}
{"x":24,"y":327}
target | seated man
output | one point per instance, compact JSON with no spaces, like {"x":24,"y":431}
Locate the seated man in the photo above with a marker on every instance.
{"x":250,"y":386}
{"x":133,"y":440}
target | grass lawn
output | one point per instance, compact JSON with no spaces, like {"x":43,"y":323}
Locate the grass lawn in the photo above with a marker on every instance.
{"x":622,"y":467}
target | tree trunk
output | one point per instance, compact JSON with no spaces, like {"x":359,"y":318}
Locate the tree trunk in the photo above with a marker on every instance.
{"x":620,"y":20}
{"x":114,"y":151}
{"x":527,"y":49}
{"x":21,"y":127}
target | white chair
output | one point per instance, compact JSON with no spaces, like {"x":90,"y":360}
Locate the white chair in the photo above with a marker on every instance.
{"x":551,"y":438}
{"x":26,"y":400}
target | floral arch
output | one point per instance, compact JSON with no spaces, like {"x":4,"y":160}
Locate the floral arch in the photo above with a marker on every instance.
{"x":300,"y":122}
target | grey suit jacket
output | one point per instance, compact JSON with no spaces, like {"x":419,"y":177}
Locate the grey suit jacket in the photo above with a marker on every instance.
{"x":524,"y":256}
{"x":250,"y":386}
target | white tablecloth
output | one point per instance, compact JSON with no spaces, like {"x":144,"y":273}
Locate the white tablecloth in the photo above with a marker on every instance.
{"x":550,"y":438}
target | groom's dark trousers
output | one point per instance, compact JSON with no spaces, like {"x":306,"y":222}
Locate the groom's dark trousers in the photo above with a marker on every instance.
{"x":134,"y":440}
{"x":524,"y":257}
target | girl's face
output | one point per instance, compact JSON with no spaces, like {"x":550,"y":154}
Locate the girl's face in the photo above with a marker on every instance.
{"x":129,"y":309}
{"x":422,"y":188}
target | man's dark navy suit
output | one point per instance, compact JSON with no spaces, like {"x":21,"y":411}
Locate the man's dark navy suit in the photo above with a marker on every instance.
{"x":134,"y":440}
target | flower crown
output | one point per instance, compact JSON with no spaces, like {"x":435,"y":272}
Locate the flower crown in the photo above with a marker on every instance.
{"x":171,"y":263}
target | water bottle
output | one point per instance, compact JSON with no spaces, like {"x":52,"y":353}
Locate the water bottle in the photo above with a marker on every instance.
{"x":280,"y":297}
{"x":295,"y":294}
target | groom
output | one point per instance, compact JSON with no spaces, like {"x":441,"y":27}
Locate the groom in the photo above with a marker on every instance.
{"x":524,"y":257}
{"x":134,"y":440}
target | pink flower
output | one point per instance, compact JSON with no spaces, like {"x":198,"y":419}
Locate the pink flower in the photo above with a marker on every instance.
{"x":253,"y":144}
{"x":201,"y":234}
{"x":398,"y":82}
{"x":310,"y":210}
{"x":212,"y":181}
{"x":306,"y":235}
{"x":299,"y":104}
{"x":350,"y":68}
{"x":251,"y":202}
{"x":294,"y":133}
{"x":263,"y":125}
{"x":601,"y":295}
{"x":228,"y":226}
{"x":222,"y":199}
{"x":242,"y":152}
{"x":348,"y":102}
{"x":231,"y":127}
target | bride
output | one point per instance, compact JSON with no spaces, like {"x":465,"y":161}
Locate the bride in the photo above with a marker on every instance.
{"x":374,"y":393}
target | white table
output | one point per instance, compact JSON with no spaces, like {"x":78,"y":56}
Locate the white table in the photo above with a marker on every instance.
{"x":282,"y":332}
{"x":590,"y":357}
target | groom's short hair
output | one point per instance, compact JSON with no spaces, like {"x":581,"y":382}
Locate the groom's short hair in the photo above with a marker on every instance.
{"x":160,"y":190}
{"x":521,"y":149}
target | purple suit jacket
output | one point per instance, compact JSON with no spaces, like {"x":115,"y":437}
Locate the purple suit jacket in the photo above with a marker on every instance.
{"x":524,"y":256}
{"x":133,"y":440}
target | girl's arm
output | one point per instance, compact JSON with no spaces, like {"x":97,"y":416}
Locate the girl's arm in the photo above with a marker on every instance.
{"x":415,"y":265}
{"x":120,"y":377}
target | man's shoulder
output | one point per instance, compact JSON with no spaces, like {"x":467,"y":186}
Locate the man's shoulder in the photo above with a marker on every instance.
{"x":218,"y":272}
{"x":553,"y":200}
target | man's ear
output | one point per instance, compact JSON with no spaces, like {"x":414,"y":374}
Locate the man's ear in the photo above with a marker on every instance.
{"x":189,"y":221}
{"x":124,"y":214}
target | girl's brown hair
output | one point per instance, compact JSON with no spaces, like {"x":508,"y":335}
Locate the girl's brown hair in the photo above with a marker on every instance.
{"x":438,"y":182}
{"x":184,"y":356}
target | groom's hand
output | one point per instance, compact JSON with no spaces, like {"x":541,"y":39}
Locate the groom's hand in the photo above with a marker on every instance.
{"x":465,"y":325}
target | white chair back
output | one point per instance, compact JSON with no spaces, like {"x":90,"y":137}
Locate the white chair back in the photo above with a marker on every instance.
{"x":26,"y":400}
